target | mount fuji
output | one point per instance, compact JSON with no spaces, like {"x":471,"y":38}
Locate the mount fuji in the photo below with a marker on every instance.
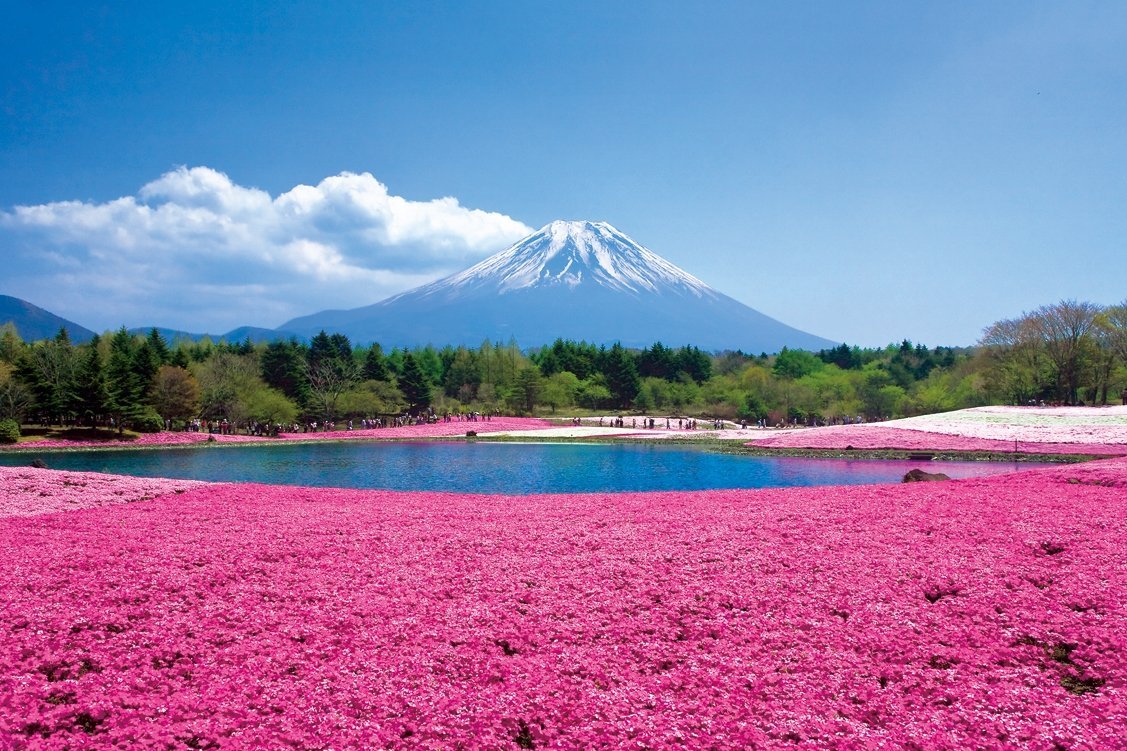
{"x":571,"y":280}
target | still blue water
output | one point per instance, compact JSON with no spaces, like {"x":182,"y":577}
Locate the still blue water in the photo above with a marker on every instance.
{"x":508,"y":468}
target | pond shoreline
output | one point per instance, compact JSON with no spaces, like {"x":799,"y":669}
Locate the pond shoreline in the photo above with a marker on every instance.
{"x":729,"y":446}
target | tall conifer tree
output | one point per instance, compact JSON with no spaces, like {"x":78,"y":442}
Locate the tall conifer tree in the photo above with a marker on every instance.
{"x":414,"y":384}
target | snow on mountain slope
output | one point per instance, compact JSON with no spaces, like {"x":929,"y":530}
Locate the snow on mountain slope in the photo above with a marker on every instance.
{"x":571,"y":280}
{"x":571,"y":254}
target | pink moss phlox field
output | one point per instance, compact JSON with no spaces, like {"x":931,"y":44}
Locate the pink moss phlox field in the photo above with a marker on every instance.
{"x":984,"y":613}
{"x":436,"y":430}
{"x":881,"y":437}
{"x":26,"y":491}
{"x":145,"y":439}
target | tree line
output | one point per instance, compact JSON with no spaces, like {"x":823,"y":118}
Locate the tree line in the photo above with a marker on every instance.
{"x":1065,"y":353}
{"x":1068,"y":353}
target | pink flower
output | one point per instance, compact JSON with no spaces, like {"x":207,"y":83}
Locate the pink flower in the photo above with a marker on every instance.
{"x":984,"y":613}
{"x":872,"y":436}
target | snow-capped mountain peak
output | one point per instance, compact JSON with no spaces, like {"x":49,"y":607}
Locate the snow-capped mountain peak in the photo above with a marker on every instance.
{"x":584,"y":281}
{"x":571,"y":254}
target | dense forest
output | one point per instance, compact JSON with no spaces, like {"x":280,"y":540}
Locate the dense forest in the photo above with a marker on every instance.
{"x":1067,"y":353}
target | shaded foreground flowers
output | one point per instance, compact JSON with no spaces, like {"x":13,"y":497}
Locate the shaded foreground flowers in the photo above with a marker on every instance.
{"x":981,"y":613}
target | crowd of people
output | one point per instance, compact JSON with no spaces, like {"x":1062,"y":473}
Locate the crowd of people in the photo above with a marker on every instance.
{"x":655,"y":423}
{"x":226,"y":427}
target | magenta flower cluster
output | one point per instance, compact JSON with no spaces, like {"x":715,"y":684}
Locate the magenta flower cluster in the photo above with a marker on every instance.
{"x":981,"y":614}
{"x":881,"y":437}
{"x":27,"y":491}
{"x":407,"y":432}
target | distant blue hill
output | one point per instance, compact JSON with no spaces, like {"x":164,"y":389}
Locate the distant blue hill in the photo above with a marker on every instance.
{"x":34,"y":323}
{"x":256,"y":334}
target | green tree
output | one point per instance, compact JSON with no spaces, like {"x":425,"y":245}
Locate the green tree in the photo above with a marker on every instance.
{"x":463,"y":375}
{"x":795,"y":363}
{"x":752,"y":408}
{"x":179,"y":358}
{"x":697,"y":364}
{"x":843,"y":356}
{"x":93,"y":391}
{"x":146,"y":362}
{"x":880,"y":397}
{"x":936,"y":394}
{"x":657,"y":362}
{"x":175,"y":394}
{"x":431,"y":363}
{"x":327,"y":380}
{"x":11,"y":346}
{"x":593,"y":392}
{"x":375,"y":366}
{"x":372,"y":398}
{"x":889,"y":402}
{"x":322,"y":348}
{"x":9,"y":430}
{"x":560,"y":390}
{"x":15,"y":398}
{"x":225,"y":379}
{"x":330,"y":370}
{"x":158,"y":349}
{"x":283,"y":367}
{"x":1013,"y":361}
{"x":1115,"y":319}
{"x":394,"y":361}
{"x":49,"y":369}
{"x":414,"y":384}
{"x":258,"y":403}
{"x":617,"y":366}
{"x":1065,"y":328}
{"x":527,"y":389}
{"x":579,"y":358}
{"x":125,"y":390}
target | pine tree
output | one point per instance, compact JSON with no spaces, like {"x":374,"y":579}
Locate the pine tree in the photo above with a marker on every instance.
{"x":414,"y":385}
{"x":375,"y":367}
{"x":125,"y":390}
{"x":621,"y":373}
{"x":321,"y":349}
{"x":146,"y":362}
{"x":93,"y":395}
{"x":694,"y":362}
{"x":159,"y":348}
{"x":48,"y":369}
{"x":657,"y":362}
{"x":342,"y":348}
{"x":528,"y":388}
{"x":283,"y":367}
{"x":179,"y":358}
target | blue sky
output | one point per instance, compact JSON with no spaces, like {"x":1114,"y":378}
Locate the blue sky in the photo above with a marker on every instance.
{"x":866,"y":172}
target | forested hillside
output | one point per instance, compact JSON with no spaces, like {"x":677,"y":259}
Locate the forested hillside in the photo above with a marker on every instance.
{"x":1064,"y":353}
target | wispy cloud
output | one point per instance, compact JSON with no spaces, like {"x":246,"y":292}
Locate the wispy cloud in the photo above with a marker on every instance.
{"x":195,"y":250}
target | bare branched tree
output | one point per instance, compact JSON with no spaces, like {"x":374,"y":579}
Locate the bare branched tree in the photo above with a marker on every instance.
{"x":1065,"y":329}
{"x":1016,"y":364}
{"x":328,"y":379}
{"x":15,"y":400}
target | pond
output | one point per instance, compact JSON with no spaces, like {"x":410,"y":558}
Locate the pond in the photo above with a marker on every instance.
{"x":507,"y":468}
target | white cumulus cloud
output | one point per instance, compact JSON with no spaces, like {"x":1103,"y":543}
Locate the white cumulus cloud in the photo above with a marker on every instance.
{"x":194,"y":250}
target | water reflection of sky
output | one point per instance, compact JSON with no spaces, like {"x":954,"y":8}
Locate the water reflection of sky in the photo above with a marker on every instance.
{"x":499,"y":467}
